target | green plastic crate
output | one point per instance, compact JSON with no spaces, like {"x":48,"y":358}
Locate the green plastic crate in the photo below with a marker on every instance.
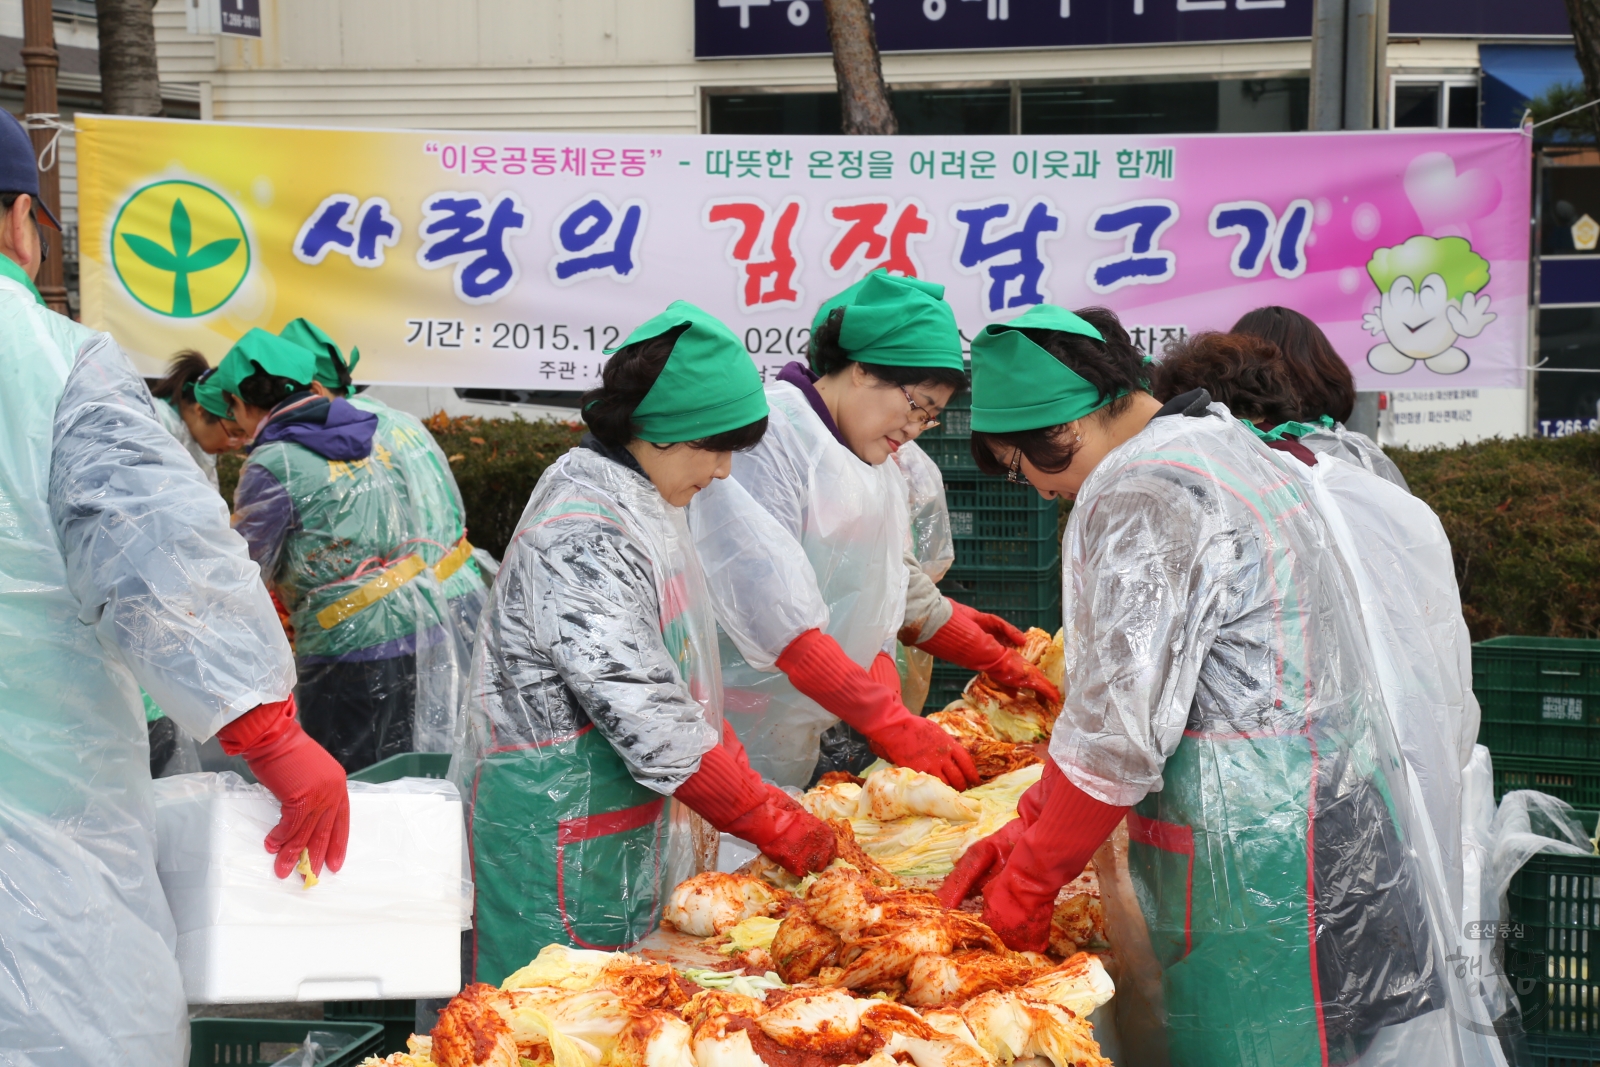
{"x":946,"y":686}
{"x":1537,"y":679}
{"x":1023,"y":598}
{"x":1575,"y":781}
{"x":1547,"y":740}
{"x":1000,"y":526}
{"x":1553,"y":953}
{"x":949,"y":443}
{"x":1551,"y":1050}
{"x":397,"y":1017}
{"x":405,"y":765}
{"x":260,"y":1041}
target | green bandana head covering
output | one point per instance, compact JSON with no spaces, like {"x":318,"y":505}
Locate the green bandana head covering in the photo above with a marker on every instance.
{"x":1016,"y":385}
{"x":309,"y":336}
{"x":708,"y":386}
{"x":211,"y":399}
{"x":896,"y":322}
{"x":263,"y":350}
{"x":1292,"y":429}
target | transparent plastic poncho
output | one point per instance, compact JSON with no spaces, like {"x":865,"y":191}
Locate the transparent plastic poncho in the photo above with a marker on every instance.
{"x":804,"y":535}
{"x":172,"y":419}
{"x":374,"y":569}
{"x":1293,"y":908}
{"x":934,"y":549}
{"x":1355,"y":447}
{"x":594,"y":692}
{"x":120,"y":571}
{"x":1405,"y":579}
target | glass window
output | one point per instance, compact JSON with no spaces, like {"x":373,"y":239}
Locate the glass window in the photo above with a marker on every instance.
{"x":931,"y":111}
{"x":1569,"y":340}
{"x":1263,"y":105}
{"x":798,"y":113}
{"x":1133,"y":107}
{"x":1416,"y":104}
{"x":1463,"y":107}
{"x":1569,"y":194}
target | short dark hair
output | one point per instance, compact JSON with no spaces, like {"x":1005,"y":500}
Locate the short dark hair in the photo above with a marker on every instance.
{"x":1245,"y":372}
{"x":1321,"y":379}
{"x":627,"y":377}
{"x":267,"y":391}
{"x":187,"y":367}
{"x":829,"y":357}
{"x":1112,"y":366}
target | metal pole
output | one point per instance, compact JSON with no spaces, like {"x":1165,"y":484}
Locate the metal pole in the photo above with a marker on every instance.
{"x":1381,"y":68}
{"x":1360,"y":64}
{"x":41,"y":59}
{"x":1327,"y":65}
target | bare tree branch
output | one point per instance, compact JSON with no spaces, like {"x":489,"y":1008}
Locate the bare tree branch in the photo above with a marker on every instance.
{"x":863,"y":98}
{"x":129,"y":81}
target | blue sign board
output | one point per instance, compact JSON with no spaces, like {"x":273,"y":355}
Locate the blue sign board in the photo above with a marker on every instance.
{"x":730,"y":28}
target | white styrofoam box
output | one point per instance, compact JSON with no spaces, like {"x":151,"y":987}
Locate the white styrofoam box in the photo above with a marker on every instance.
{"x":386,"y":926}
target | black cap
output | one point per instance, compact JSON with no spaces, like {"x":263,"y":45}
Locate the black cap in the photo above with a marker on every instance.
{"x":19,"y":167}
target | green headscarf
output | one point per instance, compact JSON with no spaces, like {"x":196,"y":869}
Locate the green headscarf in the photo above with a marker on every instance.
{"x":330,"y":360}
{"x":1016,"y":385}
{"x":708,"y":386}
{"x":209,"y":399}
{"x":895,"y":321}
{"x":1277,"y":433}
{"x":261,"y":350}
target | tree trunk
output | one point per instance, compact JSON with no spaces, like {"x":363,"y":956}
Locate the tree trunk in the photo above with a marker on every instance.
{"x":1585,"y":18}
{"x":129,"y":81}
{"x":863,"y":98}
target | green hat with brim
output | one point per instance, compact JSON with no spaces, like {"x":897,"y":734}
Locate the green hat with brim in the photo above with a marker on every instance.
{"x":708,"y":386}
{"x":896,"y":322}
{"x":260,"y":350}
{"x":1018,"y":386}
{"x":203,"y":392}
{"x":330,"y":359}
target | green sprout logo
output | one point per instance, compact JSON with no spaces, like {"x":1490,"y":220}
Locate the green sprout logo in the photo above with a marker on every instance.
{"x":179,"y":249}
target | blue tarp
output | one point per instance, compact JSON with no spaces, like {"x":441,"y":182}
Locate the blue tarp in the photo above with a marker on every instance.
{"x":1513,"y":74}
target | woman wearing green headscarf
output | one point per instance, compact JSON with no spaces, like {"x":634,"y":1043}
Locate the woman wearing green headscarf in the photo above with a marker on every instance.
{"x":1218,"y":696}
{"x":205,"y":432}
{"x":594,"y":752}
{"x":811,"y":618}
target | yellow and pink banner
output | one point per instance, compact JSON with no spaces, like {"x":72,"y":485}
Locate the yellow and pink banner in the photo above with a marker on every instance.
{"x":513,"y":260}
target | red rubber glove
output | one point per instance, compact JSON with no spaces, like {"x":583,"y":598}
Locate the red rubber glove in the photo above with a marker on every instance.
{"x":308,"y":782}
{"x":972,"y":640}
{"x":1019,"y":901}
{"x":729,"y":795}
{"x":984,"y":859}
{"x":819,"y":668}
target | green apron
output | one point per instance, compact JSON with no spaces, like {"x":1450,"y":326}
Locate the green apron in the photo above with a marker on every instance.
{"x":566,"y":847}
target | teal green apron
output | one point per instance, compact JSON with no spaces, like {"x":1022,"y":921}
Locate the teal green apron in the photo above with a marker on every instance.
{"x":566,"y":847}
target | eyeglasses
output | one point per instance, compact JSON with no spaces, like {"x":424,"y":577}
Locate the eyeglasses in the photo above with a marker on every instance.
{"x":1014,"y":473}
{"x":923,"y":417}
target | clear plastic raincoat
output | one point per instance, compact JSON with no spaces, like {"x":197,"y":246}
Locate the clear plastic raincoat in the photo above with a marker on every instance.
{"x":1405,"y":579}
{"x":172,"y":419}
{"x":932,"y":551}
{"x":1355,"y":447}
{"x":593,"y":695}
{"x":368,"y":552}
{"x":803,"y":536}
{"x":117,"y":570}
{"x":1217,"y":679}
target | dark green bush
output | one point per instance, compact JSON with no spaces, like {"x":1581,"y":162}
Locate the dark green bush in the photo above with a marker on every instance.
{"x":1523,"y":515}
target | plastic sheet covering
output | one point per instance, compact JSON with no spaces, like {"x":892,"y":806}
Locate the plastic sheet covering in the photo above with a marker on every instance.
{"x":1527,"y":823}
{"x":839,"y":541}
{"x":369,"y":558}
{"x":934,"y":550}
{"x":1404,"y":577}
{"x":1217,"y":678}
{"x":173,"y":421}
{"x":1480,"y":902}
{"x":116,"y":569}
{"x":593,"y":694}
{"x":1355,"y":447}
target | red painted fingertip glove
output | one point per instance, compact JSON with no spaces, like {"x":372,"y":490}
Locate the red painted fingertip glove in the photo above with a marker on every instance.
{"x":971,"y":640}
{"x":308,"y":782}
{"x":818,"y":667}
{"x":728,"y":794}
{"x":1018,"y":902}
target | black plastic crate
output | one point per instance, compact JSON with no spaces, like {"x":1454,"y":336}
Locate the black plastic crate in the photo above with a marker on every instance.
{"x":213,"y":1042}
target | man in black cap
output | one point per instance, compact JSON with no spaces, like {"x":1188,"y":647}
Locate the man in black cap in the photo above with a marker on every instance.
{"x":117,"y":570}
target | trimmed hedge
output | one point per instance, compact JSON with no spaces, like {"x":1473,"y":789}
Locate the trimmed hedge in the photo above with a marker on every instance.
{"x":1523,"y":515}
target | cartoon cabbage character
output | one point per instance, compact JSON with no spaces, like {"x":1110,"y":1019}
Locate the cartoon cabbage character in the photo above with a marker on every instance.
{"x":1430,"y":288}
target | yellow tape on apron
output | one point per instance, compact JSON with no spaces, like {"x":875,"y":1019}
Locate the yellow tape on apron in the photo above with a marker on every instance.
{"x":372,"y":592}
{"x":452,"y":562}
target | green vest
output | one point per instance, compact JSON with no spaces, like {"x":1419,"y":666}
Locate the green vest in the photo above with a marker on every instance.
{"x":361,"y":521}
